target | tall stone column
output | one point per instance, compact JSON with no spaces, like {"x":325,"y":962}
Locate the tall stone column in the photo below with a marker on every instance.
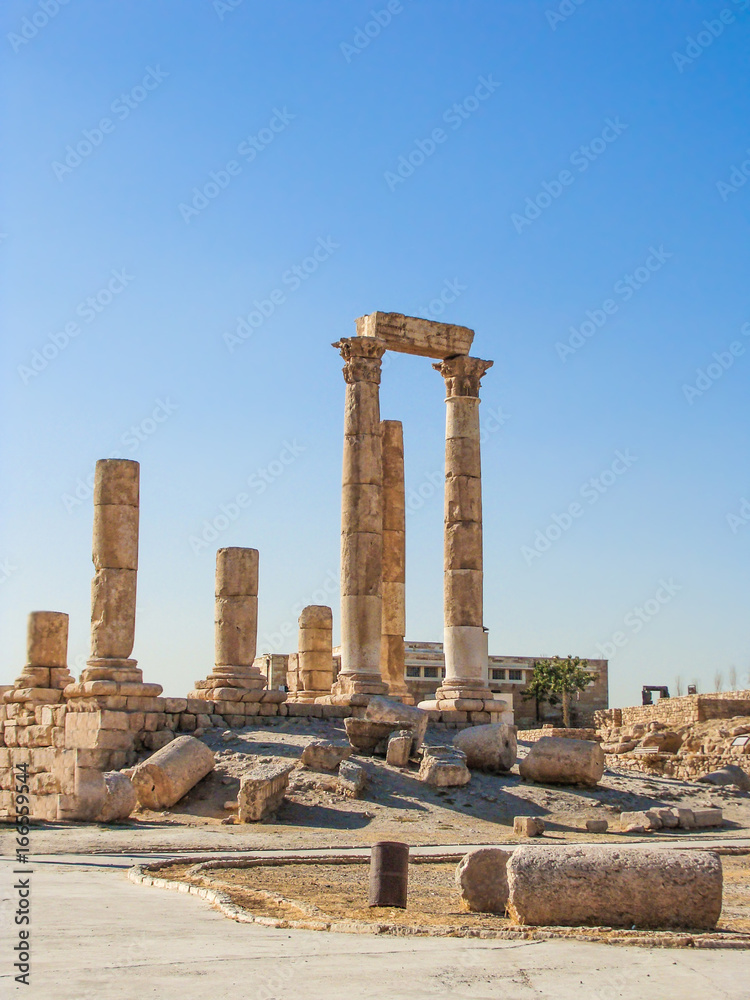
{"x":46,"y":673}
{"x":361,"y":523}
{"x":115,"y":557}
{"x":234,"y":677}
{"x":394,"y":561}
{"x":466,"y":683}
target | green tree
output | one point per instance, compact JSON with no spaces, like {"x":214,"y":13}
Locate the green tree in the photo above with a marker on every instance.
{"x":555,"y":680}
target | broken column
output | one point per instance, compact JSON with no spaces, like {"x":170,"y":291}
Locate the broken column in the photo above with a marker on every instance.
{"x":315,"y":656}
{"x":163,"y":779}
{"x":115,"y":557}
{"x":466,"y":683}
{"x":394,"y":561}
{"x":361,"y":524}
{"x":235,"y":680}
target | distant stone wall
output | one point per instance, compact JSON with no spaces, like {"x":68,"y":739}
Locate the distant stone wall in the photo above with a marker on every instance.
{"x":676,"y":712}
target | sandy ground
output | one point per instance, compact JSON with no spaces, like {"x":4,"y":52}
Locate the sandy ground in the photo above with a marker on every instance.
{"x":395,"y":806}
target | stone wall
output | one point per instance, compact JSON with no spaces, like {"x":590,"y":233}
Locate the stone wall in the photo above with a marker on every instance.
{"x":676,"y":712}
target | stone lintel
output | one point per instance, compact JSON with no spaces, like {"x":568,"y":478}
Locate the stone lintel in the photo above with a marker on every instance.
{"x":412,"y":335}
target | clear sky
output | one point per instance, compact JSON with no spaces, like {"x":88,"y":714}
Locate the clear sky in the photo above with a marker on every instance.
{"x":174,"y":169}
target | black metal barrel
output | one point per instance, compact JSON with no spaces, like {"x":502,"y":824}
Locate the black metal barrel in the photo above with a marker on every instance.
{"x":389,"y":874}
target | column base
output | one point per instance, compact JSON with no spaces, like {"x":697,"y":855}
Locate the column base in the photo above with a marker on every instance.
{"x":231,"y":683}
{"x":112,"y":668}
{"x":355,"y":689}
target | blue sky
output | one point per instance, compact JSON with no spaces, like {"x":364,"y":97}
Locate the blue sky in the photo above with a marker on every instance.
{"x":584,"y":207}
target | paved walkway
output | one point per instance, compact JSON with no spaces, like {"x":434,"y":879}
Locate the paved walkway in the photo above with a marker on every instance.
{"x":97,"y":936}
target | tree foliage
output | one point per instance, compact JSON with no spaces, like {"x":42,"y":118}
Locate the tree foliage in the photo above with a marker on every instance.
{"x":555,"y":679}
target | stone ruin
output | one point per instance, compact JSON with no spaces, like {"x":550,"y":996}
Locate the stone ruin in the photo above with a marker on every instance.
{"x":69,"y":733}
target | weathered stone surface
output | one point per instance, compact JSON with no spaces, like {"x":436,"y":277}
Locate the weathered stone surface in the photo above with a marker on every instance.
{"x":556,"y":761}
{"x":116,"y":481}
{"x":622,"y":747}
{"x":47,"y":640}
{"x":262,"y":788}
{"x":365,"y":735}
{"x":444,"y":767}
{"x":615,"y":886}
{"x":488,"y":748}
{"x":113,"y":613}
{"x":412,"y":335}
{"x":388,"y":710}
{"x":597,"y":825}
{"x":528,"y":826}
{"x":163,"y":779}
{"x":482,"y":880}
{"x":639,"y":821}
{"x":120,"y":800}
{"x":325,"y":755}
{"x":236,"y":572}
{"x":400,"y":745}
{"x":730,"y":774}
{"x":352,"y":779}
{"x":711,"y":816}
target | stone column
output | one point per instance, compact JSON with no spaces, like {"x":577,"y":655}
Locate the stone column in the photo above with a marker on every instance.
{"x":394,"y":561}
{"x":315,"y":657}
{"x":46,"y":673}
{"x":361,"y":523}
{"x":466,"y":683}
{"x":234,"y":677}
{"x":115,"y":557}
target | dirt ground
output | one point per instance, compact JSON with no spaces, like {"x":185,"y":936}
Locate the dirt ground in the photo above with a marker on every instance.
{"x":394,"y":806}
{"x":336,"y":893}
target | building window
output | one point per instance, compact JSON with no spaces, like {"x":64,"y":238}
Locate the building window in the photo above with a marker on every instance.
{"x":516,"y":675}
{"x":412,"y":671}
{"x":497,"y":675}
{"x":431,"y":672}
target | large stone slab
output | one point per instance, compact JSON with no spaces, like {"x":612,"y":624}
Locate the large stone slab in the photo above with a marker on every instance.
{"x":482,"y":880}
{"x":412,"y":335}
{"x":120,"y":799}
{"x":556,"y":761}
{"x":643,"y":887}
{"x":262,"y":788}
{"x":488,"y":748}
{"x":366,"y":735}
{"x":325,"y":755}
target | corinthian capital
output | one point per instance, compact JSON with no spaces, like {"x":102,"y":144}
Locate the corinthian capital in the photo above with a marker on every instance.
{"x":462,"y":374}
{"x":363,"y":356}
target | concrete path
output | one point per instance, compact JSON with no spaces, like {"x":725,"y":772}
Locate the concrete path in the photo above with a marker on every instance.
{"x":97,"y":936}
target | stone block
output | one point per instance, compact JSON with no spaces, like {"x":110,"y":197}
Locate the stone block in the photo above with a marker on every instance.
{"x":388,"y":710}
{"x":712,"y":816}
{"x":685,"y":818}
{"x":482,"y":880}
{"x":120,"y":798}
{"x":188,"y":722}
{"x":157,"y":740}
{"x":270,"y":708}
{"x":639,"y":821}
{"x":352,"y":779}
{"x":262,"y":789}
{"x":400,"y":744}
{"x":325,"y":755}
{"x":528,"y":826}
{"x":597,"y":825}
{"x":444,"y":767}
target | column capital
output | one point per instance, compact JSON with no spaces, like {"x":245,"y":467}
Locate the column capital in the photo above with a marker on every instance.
{"x":363,"y":356}
{"x":462,"y":374}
